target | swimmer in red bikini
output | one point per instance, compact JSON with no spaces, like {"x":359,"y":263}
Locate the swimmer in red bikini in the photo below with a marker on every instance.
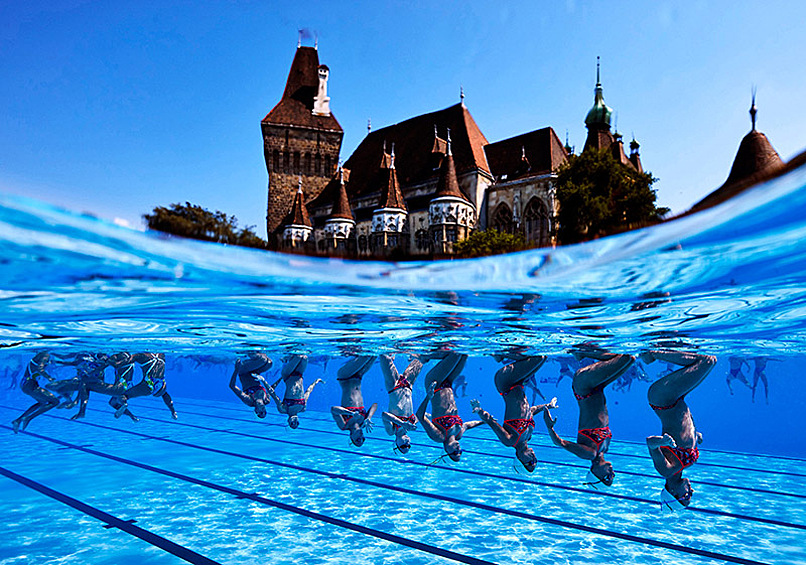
{"x":519,"y":422}
{"x":253,"y":391}
{"x":676,"y":449}
{"x":400,"y":418}
{"x":444,"y":424}
{"x":593,"y":428}
{"x":351,"y":415}
{"x":296,"y":396}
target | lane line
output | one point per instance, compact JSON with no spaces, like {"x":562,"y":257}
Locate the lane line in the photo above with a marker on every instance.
{"x":112,"y":521}
{"x":335,"y":521}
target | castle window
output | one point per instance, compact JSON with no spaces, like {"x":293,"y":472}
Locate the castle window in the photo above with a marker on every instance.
{"x":502,"y":219}
{"x":536,"y":224}
{"x":327,"y":165}
{"x":286,"y":162}
{"x":308,"y":164}
{"x":318,"y":170}
{"x":275,"y":158}
{"x":362,"y":243}
{"x":422,"y":240}
{"x":296,"y":162}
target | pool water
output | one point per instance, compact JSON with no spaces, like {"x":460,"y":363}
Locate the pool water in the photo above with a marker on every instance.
{"x":219,"y":485}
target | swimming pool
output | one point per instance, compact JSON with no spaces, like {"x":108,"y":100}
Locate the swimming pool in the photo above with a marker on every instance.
{"x":220,"y":486}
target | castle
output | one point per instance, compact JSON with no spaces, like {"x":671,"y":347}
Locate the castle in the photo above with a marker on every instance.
{"x":412,"y":189}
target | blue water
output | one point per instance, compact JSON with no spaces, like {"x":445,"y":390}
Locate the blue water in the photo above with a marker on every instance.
{"x":730,"y":281}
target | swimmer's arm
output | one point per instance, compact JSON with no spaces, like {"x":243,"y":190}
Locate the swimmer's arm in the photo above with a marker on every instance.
{"x":580,"y":451}
{"x":390,"y":418}
{"x":429,"y":394}
{"x":538,"y":408}
{"x":238,"y":392}
{"x":662,"y":465}
{"x":371,"y":411}
{"x":280,"y":406}
{"x":472,"y":424}
{"x":506,"y":438}
{"x":337,"y":412}
{"x":433,"y":432}
{"x":310,"y":388}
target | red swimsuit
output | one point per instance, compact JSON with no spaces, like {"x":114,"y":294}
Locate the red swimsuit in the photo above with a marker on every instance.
{"x":520,"y":425}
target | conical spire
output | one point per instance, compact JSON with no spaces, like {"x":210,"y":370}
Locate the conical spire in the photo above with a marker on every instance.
{"x":391,"y":196}
{"x":298,"y":216}
{"x":448,"y":185}
{"x":341,"y":204}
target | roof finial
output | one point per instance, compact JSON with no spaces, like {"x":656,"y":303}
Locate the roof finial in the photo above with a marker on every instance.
{"x":523,"y":152}
{"x":384,"y":149}
{"x":341,"y":174}
{"x":392,"y":162}
{"x":299,"y":38}
{"x":435,"y":132}
{"x":299,"y":185}
{"x":316,"y":42}
{"x":462,"y":95}
{"x":615,"y":123}
{"x":449,"y":143}
{"x":598,"y":82}
{"x":753,"y":109}
{"x":369,"y":125}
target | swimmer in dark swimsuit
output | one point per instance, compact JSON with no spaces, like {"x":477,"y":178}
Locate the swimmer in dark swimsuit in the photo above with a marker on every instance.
{"x":676,"y":449}
{"x":736,"y":372}
{"x":519,"y":422}
{"x":90,"y":371}
{"x":399,"y":419}
{"x":351,"y":415}
{"x":760,"y":374}
{"x":124,"y":365}
{"x":45,"y":400}
{"x":593,"y":428}
{"x":296,"y":396}
{"x":13,"y":369}
{"x":444,"y":424}
{"x":253,"y":391}
{"x":153,"y":382}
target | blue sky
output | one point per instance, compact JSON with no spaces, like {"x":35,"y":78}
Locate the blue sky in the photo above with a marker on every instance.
{"x":115,"y":107}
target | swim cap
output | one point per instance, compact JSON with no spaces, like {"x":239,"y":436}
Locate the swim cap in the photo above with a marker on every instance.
{"x":668,"y":500}
{"x":592,"y":480}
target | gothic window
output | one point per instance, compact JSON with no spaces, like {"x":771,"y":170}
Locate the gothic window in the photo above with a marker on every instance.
{"x":502,"y":219}
{"x":422,"y":240}
{"x":318,"y":170}
{"x":327,"y":165}
{"x":307,"y":164}
{"x":286,"y":162}
{"x":536,"y":222}
{"x":450,"y":234}
{"x":275,"y":158}
{"x":362,"y":243}
{"x":296,"y":163}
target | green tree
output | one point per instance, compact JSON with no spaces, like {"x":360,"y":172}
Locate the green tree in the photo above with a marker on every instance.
{"x":600,"y":196}
{"x":489,"y":242}
{"x":195,"y":222}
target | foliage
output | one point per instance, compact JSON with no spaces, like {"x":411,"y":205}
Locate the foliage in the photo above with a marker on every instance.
{"x":195,"y":222}
{"x":600,"y":196}
{"x":489,"y":242}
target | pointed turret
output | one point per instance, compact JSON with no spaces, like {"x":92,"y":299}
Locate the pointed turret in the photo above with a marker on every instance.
{"x":391,"y":196}
{"x":755,"y":159}
{"x":297,"y":226}
{"x":341,"y":205}
{"x":451,"y":215}
{"x":340,"y":226}
{"x":390,"y":219}
{"x":635,"y":157}
{"x":448,"y":185}
{"x":598,"y":119}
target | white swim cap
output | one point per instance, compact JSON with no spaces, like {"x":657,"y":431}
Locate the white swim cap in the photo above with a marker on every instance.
{"x":668,"y":500}
{"x":592,"y":480}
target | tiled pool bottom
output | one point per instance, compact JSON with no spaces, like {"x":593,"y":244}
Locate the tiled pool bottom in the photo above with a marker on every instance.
{"x":220,"y":486}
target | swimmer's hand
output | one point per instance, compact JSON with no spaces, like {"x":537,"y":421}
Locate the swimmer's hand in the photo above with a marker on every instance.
{"x":668,"y":441}
{"x":367,"y":425}
{"x":699,"y":438}
{"x":552,"y":404}
{"x":475,"y":406}
{"x":318,"y":381}
{"x":431,"y":387}
{"x":549,"y":420}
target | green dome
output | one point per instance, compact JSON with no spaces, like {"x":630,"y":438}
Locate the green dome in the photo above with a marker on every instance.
{"x":601,"y":112}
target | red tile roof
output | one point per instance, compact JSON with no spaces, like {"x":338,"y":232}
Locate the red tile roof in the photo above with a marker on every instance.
{"x":544,"y":153}
{"x":296,"y":106}
{"x":447,"y":185}
{"x":341,"y":205}
{"x":298,"y":216}
{"x":391,"y":196}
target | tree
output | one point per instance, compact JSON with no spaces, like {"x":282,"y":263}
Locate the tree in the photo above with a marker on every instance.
{"x":195,"y":222}
{"x":489,"y":242}
{"x":600,"y":196}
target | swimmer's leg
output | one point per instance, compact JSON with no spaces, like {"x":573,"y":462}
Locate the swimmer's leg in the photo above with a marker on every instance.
{"x":447,"y":369}
{"x":601,"y":373}
{"x":166,"y":398}
{"x":669,"y":388}
{"x":46,"y":401}
{"x":515,"y":373}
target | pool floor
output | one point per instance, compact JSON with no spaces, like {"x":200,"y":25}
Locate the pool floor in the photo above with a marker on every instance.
{"x":220,"y":486}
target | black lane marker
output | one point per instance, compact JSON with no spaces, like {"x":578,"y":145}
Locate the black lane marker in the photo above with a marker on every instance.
{"x":744,"y":454}
{"x":443,"y":553}
{"x":418,"y":464}
{"x":495,"y":455}
{"x":255,"y":498}
{"x":111,"y":521}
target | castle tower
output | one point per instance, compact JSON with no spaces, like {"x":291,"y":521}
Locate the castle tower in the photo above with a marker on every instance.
{"x":301,"y":138}
{"x":635,"y":157}
{"x":390,"y":220}
{"x":451,"y":215}
{"x":296,"y":226}
{"x":598,"y":119}
{"x":340,"y":225}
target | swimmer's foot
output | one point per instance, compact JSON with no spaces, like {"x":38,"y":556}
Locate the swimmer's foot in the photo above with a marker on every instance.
{"x":121,"y":410}
{"x":16,"y":425}
{"x":174,"y":415}
{"x":25,"y":422}
{"x":77,"y":416}
{"x":68,"y":404}
{"x":134,"y":418}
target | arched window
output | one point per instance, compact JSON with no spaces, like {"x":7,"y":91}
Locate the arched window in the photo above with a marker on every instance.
{"x":502,"y":219}
{"x":286,"y":162}
{"x":536,"y":224}
{"x":318,"y":170}
{"x":308,"y":170}
{"x":327,"y":166}
{"x":296,"y":163}
{"x":422,"y":240}
{"x":275,"y":158}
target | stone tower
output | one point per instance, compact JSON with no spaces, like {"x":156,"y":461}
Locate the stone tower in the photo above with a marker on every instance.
{"x":301,"y":139}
